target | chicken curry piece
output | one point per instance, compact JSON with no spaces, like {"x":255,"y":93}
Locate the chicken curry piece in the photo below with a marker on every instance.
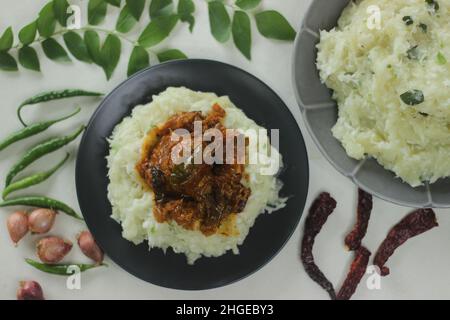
{"x":205,"y":197}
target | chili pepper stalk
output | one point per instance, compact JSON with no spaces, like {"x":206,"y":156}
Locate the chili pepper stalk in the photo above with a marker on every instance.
{"x":54,"y":95}
{"x":33,"y":179}
{"x":41,"y":202}
{"x":39,"y":151}
{"x":32,"y":130}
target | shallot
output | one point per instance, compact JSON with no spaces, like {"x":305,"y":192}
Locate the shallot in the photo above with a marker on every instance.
{"x":30,"y":290}
{"x":52,"y":250}
{"x":41,"y":220}
{"x":89,"y":247}
{"x":17,"y":225}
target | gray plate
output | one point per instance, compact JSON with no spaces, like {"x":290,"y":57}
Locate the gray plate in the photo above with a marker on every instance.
{"x":320,"y":114}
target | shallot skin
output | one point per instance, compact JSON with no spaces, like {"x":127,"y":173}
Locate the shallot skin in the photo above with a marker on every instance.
{"x":52,"y":250}
{"x":30,"y":290}
{"x":41,"y":220}
{"x":89,"y":247}
{"x":17,"y":224}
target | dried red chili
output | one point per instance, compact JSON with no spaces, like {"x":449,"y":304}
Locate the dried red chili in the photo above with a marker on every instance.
{"x":365,"y":205}
{"x":412,"y":225}
{"x":319,"y":212}
{"x":356,"y":273}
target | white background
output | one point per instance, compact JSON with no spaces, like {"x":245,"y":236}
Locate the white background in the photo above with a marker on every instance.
{"x":419,"y":270}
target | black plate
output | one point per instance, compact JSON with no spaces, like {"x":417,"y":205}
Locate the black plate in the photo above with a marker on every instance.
{"x":270,"y":232}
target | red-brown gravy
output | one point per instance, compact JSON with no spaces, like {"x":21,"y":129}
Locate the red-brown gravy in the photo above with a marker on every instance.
{"x":205,"y":197}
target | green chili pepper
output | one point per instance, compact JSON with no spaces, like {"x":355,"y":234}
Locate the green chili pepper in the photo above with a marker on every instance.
{"x":55,"y":95}
{"x":32,"y":130}
{"x":33,"y":179}
{"x":62,"y":269}
{"x":39,"y":151}
{"x":41,"y":202}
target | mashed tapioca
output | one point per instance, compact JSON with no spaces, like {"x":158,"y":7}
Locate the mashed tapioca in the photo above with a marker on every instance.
{"x":133,"y":203}
{"x":392,"y":84}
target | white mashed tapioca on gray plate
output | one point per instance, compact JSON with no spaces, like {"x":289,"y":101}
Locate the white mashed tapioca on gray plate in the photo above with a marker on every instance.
{"x":388,"y":64}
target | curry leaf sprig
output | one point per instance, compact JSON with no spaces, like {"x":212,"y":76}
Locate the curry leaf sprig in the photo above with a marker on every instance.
{"x":103,"y":47}
{"x":270,"y":23}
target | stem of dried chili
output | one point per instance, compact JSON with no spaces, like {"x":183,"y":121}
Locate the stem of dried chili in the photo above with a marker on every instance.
{"x":365,"y":205}
{"x":412,"y":225}
{"x":319,"y":212}
{"x":356,"y":273}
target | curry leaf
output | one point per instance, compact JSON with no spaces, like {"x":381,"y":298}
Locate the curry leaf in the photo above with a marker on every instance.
{"x":219,"y":21}
{"x":157,"y":30}
{"x":186,"y":8}
{"x":110,"y":54}
{"x":413,"y":53}
{"x":60,"y":10}
{"x":96,"y":11}
{"x":6,"y":40}
{"x":28,"y":33}
{"x":247,"y":4}
{"x":7,"y":62}
{"x":46,"y":21}
{"x":136,"y":7}
{"x":161,"y":8}
{"x":28,"y":58}
{"x":171,"y":54}
{"x":115,"y":3}
{"x":242,"y":34}
{"x":441,"y":59}
{"x":76,"y":46}
{"x":423,"y":27}
{"x":54,"y":51}
{"x":92,"y":41}
{"x":139,"y":60}
{"x":271,"y":24}
{"x":433,"y":6}
{"x":413,"y":97}
{"x":126,"y":21}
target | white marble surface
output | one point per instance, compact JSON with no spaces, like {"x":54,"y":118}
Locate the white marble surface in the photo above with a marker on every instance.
{"x":419,"y":268}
